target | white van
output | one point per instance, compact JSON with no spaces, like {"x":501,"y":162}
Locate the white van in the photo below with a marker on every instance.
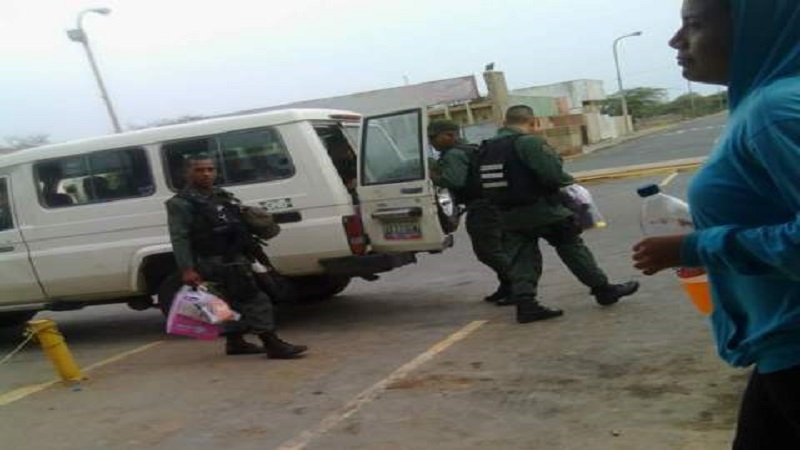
{"x":84,"y":223}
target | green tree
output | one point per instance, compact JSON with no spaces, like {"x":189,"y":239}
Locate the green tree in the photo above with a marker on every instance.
{"x":695,"y":105}
{"x":643,"y":102}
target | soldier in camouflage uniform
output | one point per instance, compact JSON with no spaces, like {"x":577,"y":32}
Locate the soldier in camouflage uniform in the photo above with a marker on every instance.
{"x":522,"y":175}
{"x":483,"y":219}
{"x":212,"y":244}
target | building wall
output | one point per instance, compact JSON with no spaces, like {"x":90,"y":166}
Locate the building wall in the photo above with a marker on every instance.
{"x":466,"y":114}
{"x":568,"y":140}
{"x":576,"y":92}
{"x":448,"y":91}
{"x":542,"y":106}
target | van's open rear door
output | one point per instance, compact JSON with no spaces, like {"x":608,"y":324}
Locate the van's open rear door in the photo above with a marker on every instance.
{"x":398,"y":200}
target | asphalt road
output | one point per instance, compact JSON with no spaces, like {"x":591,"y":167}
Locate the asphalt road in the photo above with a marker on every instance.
{"x":415,"y":360}
{"x":687,"y":140}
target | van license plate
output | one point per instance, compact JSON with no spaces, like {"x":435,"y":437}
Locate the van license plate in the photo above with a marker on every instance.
{"x":402,"y":231}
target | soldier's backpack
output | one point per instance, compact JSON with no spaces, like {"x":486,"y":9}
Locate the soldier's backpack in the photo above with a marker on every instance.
{"x":260,"y":222}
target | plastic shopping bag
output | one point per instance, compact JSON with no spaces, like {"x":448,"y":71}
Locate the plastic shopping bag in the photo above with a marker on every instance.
{"x":578,"y":199}
{"x":196,"y":313}
{"x":181,"y":325}
{"x":200,"y":304}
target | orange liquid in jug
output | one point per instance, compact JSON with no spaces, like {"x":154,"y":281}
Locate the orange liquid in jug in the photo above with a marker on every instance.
{"x":695,"y":283}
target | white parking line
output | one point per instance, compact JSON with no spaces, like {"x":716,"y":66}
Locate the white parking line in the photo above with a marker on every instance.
{"x":356,"y":404}
{"x":670,"y":179}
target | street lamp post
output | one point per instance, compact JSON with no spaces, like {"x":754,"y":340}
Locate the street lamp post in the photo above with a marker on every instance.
{"x":691,"y":97}
{"x":619,"y":78}
{"x":79,"y":35}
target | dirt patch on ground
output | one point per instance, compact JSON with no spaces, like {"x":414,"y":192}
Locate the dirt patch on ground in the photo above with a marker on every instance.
{"x":436,"y":382}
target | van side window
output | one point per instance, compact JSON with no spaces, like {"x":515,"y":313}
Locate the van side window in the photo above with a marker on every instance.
{"x":242,"y":157}
{"x":97,"y":177}
{"x":341,"y":152}
{"x":6,"y":220}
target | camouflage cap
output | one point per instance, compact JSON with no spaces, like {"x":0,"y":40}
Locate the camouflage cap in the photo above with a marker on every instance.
{"x":442,"y":126}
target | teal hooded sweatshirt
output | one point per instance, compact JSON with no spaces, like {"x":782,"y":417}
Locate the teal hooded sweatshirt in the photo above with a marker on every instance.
{"x":746,"y":200}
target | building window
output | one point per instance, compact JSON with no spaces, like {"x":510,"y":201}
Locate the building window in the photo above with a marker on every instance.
{"x":97,"y":177}
{"x":241,"y":157}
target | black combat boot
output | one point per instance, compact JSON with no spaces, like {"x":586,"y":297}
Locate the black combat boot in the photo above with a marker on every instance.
{"x":529,"y":310}
{"x":237,"y":345}
{"x":508,"y":301}
{"x":503,"y":292}
{"x":278,"y":349}
{"x":612,"y":293}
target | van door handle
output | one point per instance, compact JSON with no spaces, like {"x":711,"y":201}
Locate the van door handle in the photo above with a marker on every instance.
{"x":410,"y":191}
{"x":7,"y":249}
{"x":287,"y":217}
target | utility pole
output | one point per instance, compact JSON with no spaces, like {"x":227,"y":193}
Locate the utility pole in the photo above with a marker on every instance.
{"x":619,"y":79}
{"x":79,"y":35}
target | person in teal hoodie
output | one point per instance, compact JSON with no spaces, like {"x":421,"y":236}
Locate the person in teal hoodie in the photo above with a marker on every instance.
{"x":746,"y":205}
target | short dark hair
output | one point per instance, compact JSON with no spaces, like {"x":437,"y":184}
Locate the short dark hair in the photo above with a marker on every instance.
{"x":190,"y":159}
{"x":439,"y":126}
{"x":519,"y":114}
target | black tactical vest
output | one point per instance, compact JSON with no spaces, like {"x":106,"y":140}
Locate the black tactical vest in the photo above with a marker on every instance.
{"x":471,"y":191}
{"x":504,"y":178}
{"x":216,"y":227}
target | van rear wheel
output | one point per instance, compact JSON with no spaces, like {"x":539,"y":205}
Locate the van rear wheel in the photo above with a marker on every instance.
{"x":319,"y":287}
{"x":16,"y":318}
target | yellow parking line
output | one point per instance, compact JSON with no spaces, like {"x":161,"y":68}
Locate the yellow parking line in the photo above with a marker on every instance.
{"x":18,"y":394}
{"x":670,"y":179}
{"x":122,"y":356}
{"x":636,"y":173}
{"x":370,"y":394}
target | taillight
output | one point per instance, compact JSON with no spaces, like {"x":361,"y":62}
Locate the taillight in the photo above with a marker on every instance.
{"x":354,"y":229}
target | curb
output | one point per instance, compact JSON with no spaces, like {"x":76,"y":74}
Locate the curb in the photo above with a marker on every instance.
{"x":640,"y":170}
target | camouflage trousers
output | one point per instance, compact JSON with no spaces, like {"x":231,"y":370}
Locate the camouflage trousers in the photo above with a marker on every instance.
{"x":236,"y":283}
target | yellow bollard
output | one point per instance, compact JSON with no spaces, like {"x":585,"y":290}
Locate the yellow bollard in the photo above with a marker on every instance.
{"x":53,"y":344}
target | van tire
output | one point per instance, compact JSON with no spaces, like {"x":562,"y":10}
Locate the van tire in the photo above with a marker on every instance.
{"x":16,"y":318}
{"x":319,"y":287}
{"x":169,"y":286}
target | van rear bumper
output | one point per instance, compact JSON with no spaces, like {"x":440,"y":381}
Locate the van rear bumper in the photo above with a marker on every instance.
{"x":366,"y":265}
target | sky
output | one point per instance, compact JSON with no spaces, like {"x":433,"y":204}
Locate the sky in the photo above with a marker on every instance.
{"x":167,"y":58}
